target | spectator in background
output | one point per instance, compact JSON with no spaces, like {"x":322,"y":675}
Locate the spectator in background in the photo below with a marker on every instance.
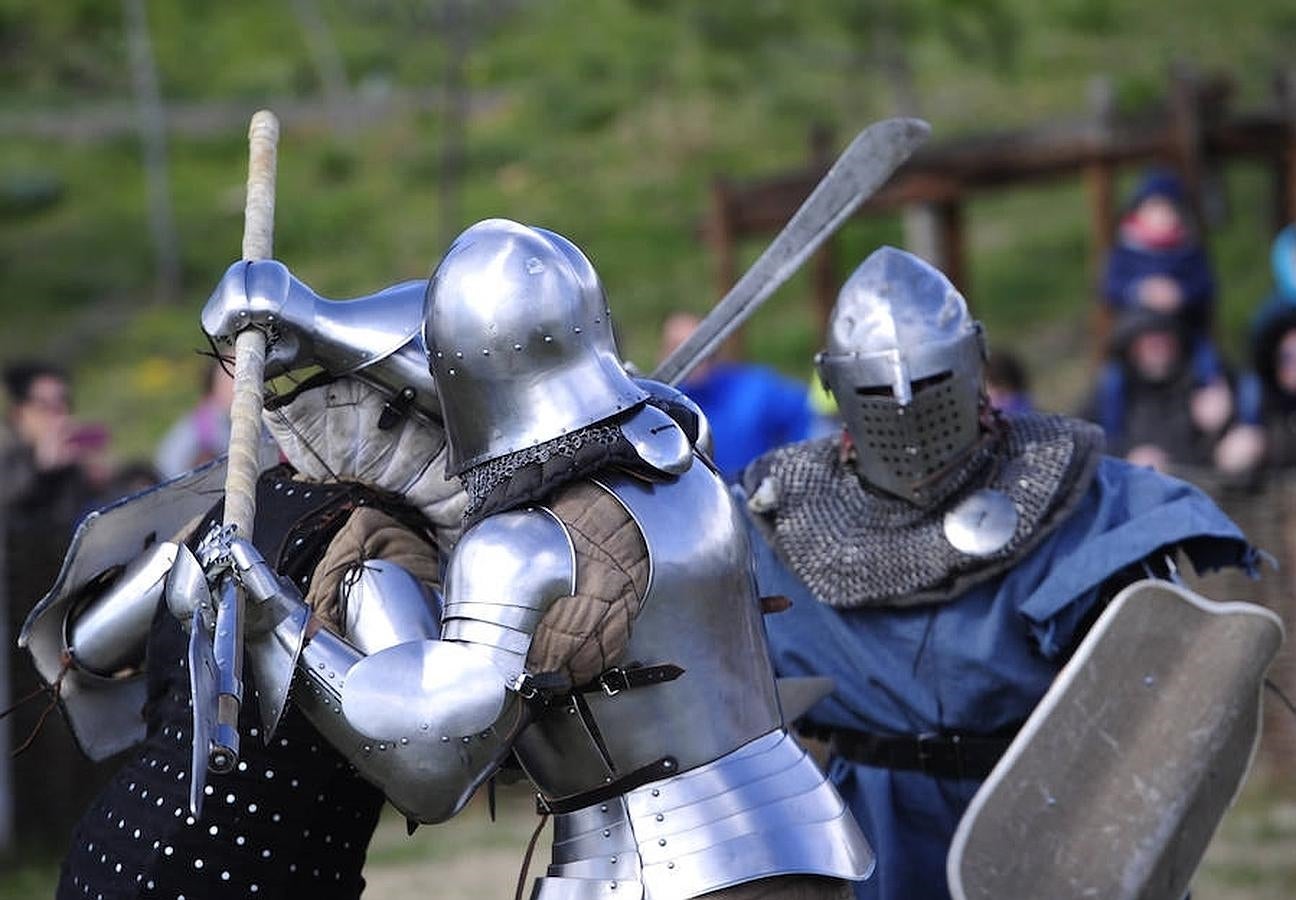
{"x":1007,"y":386}
{"x":1146,"y":401}
{"x":1158,"y":263}
{"x":50,"y":471}
{"x":1265,"y":433}
{"x":751,"y":408}
{"x":49,"y":463}
{"x":203,"y":433}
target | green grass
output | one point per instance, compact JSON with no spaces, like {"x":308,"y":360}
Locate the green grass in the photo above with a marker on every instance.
{"x":609,"y":132}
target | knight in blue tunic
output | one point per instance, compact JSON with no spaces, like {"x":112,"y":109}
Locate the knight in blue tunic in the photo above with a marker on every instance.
{"x":943,"y":561}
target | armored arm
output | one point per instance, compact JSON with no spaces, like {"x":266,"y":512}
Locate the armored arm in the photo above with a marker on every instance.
{"x":106,"y":633}
{"x":428,"y":719}
{"x":376,"y":336}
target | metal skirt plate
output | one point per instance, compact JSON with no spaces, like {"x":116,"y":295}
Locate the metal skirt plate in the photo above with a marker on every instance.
{"x":763,"y":810}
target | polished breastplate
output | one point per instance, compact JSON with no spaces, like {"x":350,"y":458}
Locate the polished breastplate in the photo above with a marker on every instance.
{"x":683,"y":787}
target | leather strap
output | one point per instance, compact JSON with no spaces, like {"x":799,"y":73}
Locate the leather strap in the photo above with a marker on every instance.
{"x":654,"y":771}
{"x":943,"y":755}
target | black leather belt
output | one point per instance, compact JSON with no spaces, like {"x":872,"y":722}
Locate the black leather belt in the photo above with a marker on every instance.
{"x":654,"y":771}
{"x":941,"y":755}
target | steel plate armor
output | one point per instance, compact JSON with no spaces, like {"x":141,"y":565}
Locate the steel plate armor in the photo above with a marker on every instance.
{"x":519,"y":333}
{"x":96,"y":616}
{"x":904,"y":360}
{"x":376,"y":337}
{"x":707,"y":806}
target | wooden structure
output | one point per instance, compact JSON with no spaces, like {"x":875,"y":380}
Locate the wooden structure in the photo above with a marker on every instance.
{"x":1193,"y":131}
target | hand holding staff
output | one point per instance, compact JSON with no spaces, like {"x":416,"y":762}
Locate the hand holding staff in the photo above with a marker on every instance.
{"x":245,"y":440}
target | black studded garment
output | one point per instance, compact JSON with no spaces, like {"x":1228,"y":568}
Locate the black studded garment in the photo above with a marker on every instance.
{"x":293,"y":821}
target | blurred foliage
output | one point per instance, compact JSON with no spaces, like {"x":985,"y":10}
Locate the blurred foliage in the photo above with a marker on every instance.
{"x":604,"y":119}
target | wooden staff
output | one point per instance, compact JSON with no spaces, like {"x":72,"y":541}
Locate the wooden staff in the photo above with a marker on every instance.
{"x":245,"y":439}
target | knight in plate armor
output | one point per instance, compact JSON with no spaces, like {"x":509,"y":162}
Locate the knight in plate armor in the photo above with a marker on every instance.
{"x":943,"y":561}
{"x":359,"y":520}
{"x":600,"y":620}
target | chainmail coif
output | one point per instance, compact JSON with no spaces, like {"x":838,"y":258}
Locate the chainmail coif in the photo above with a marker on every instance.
{"x":853,"y":546}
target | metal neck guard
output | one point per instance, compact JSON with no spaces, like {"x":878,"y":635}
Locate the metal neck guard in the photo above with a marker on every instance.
{"x":854,"y":547}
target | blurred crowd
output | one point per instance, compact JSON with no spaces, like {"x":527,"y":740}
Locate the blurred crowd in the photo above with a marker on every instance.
{"x":1163,"y":391}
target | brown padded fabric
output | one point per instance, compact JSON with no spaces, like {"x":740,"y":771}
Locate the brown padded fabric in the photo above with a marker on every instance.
{"x":585,"y":634}
{"x":787,"y":887}
{"x":368,"y":534}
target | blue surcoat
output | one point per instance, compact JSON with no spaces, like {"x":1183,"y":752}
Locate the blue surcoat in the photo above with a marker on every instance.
{"x":978,"y":663}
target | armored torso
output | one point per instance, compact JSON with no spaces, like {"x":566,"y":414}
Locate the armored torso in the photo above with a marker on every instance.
{"x":649,"y":782}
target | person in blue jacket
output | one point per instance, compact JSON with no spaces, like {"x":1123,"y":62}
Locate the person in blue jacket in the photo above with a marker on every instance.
{"x":1158,"y":264}
{"x":943,"y":561}
{"x":750,"y":408}
{"x":1264,"y":435}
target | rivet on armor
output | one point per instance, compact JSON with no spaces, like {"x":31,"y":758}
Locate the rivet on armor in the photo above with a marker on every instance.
{"x":548,"y":338}
{"x":607,"y":832}
{"x":603,"y":808}
{"x":367,"y":748}
{"x":450,"y":371}
{"x":382,"y":746}
{"x":465,"y":739}
{"x":614,"y":860}
{"x":445,"y":739}
{"x":656,"y":792}
{"x":517,"y":347}
{"x":576,"y":329}
{"x":670,"y":865}
{"x":661,"y":842}
{"x":404,"y":740}
{"x":660,"y":817}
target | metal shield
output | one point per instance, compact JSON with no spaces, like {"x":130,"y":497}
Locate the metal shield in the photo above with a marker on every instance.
{"x":1116,"y":783}
{"x":105,"y":713}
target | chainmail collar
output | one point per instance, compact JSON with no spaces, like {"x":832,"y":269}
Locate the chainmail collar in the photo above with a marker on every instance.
{"x":565,"y":458}
{"x":855,"y":547}
{"x":531,"y":474}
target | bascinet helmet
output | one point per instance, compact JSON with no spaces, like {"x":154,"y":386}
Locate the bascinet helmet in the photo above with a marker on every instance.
{"x":520,"y":343}
{"x":904,"y":361}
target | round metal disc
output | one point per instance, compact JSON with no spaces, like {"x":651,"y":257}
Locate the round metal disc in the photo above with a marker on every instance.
{"x":982,"y":524}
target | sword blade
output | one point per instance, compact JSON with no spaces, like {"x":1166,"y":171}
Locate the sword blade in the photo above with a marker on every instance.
{"x":865,"y":166}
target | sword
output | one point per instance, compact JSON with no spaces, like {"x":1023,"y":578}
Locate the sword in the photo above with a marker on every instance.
{"x":863,"y":167}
